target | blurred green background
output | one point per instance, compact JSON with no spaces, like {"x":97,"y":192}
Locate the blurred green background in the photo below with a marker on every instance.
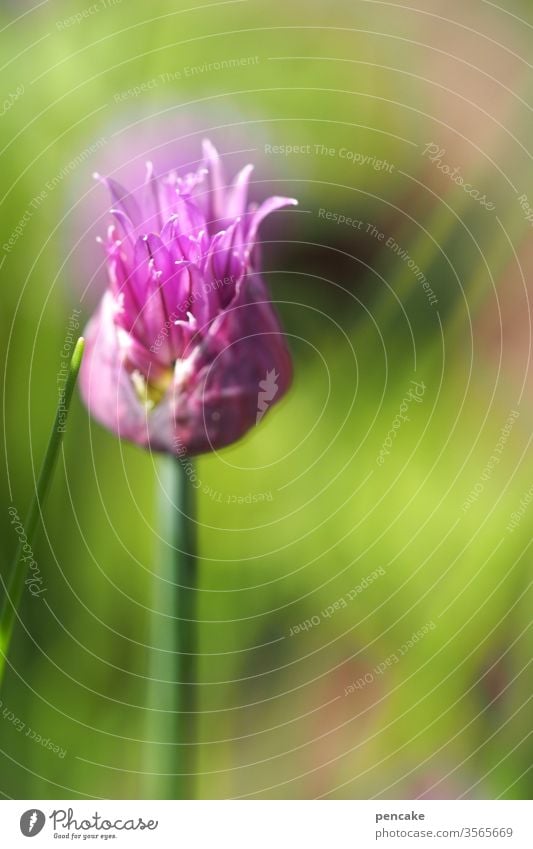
{"x":105,"y":87}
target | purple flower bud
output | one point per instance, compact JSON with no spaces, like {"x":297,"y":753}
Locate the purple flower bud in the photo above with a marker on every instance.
{"x":185,"y":353}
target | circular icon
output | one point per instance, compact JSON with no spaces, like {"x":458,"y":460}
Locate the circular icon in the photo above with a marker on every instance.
{"x":32,"y":822}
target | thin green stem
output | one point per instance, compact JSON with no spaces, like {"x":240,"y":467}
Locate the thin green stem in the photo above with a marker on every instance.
{"x":17,"y":576}
{"x":186,"y":589}
{"x":173,"y":673}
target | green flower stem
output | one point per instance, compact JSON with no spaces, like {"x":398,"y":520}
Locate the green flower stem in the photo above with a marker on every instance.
{"x":173,"y":675}
{"x":17,"y":576}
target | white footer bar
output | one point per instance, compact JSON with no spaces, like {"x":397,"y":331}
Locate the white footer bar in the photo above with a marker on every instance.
{"x":268,"y":824}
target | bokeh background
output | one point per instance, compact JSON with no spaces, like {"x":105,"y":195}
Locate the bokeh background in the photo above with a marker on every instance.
{"x":104,"y":87}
